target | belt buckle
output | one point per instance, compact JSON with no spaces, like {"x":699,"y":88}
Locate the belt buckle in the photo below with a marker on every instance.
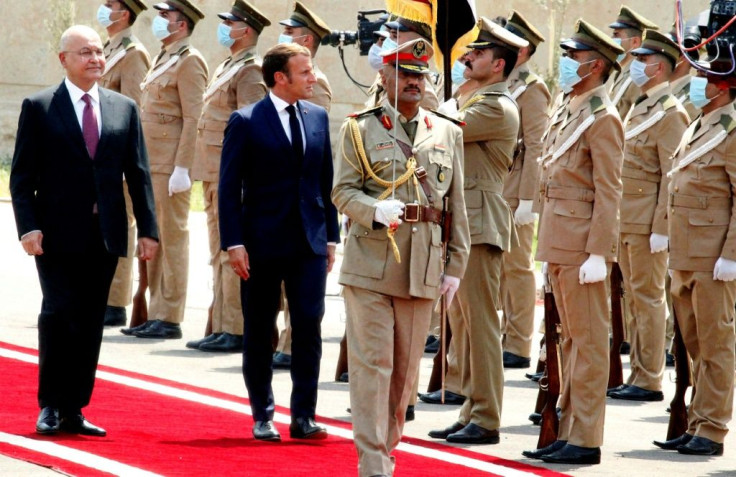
{"x":412,"y":213}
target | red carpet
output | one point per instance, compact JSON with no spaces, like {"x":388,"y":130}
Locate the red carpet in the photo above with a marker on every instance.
{"x":197,"y":432}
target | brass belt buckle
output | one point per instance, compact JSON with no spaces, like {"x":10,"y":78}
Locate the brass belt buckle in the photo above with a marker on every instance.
{"x":412,"y":213}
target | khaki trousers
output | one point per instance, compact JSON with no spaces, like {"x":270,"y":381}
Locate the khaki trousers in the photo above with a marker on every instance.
{"x":705,"y":314}
{"x":121,"y":289}
{"x":519,"y":294}
{"x":227,"y":313}
{"x":474,"y":316}
{"x":583,"y":313}
{"x":386,"y":338}
{"x":169,"y":269}
{"x":644,"y":277}
{"x":669,"y":334}
{"x":454,"y":377}
{"x":284,"y":345}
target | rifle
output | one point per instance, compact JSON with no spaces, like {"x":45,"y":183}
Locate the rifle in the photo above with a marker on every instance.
{"x":536,"y":416}
{"x":550,"y":382}
{"x":139,"y":315}
{"x":440,"y":358}
{"x":678,"y":411}
{"x":342,"y":359}
{"x":615,"y":370}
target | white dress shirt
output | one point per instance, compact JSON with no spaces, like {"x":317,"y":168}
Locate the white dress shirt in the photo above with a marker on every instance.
{"x":76,"y":95}
{"x":281,"y":106}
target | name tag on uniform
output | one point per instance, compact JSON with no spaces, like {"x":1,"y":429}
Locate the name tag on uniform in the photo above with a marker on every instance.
{"x":440,"y":147}
{"x":384,"y":145}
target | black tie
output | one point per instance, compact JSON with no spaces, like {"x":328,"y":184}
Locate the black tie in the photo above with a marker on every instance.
{"x":297,"y":144}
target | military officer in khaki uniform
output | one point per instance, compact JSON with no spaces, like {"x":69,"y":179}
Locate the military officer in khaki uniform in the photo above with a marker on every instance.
{"x":518,"y":286}
{"x":627,"y":31}
{"x":237,"y":82}
{"x":392,"y":270}
{"x":653,"y":130}
{"x":171,"y":106}
{"x":127,"y":62}
{"x":490,"y":135}
{"x":702,"y":231}
{"x":578,"y":238}
{"x":680,"y":78}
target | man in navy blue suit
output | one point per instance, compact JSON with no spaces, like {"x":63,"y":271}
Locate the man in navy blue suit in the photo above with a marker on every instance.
{"x":277,"y":223}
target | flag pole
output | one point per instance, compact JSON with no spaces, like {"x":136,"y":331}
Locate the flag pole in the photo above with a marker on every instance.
{"x":446,"y":49}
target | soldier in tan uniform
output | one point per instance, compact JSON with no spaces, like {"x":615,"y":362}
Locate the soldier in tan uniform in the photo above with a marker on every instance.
{"x":392,"y":270}
{"x":627,"y":31}
{"x":171,"y":106}
{"x":702,"y":228}
{"x":578,"y":238}
{"x":518,"y":286}
{"x":127,"y":62}
{"x":653,"y":130}
{"x":237,"y":82}
{"x":490,"y":135}
{"x":680,"y":78}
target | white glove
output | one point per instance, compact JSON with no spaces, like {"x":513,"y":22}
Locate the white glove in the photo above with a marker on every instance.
{"x":179,"y":181}
{"x":593,"y":269}
{"x":524,"y":214}
{"x":448,"y":108}
{"x":545,"y":277}
{"x":658,"y":243}
{"x":725,"y":270}
{"x":388,"y":212}
{"x":449,"y":286}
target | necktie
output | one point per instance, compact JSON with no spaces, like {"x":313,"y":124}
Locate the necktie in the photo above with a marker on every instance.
{"x":89,"y":126}
{"x":297,"y":143}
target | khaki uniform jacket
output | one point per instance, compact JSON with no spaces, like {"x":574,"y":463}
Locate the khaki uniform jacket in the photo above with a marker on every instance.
{"x":681,"y":90}
{"x":237,"y":82}
{"x":376,"y":94}
{"x":557,"y":113}
{"x":172,"y":105}
{"x":653,"y":131}
{"x":702,"y":212}
{"x":582,"y":184}
{"x":533,"y":98}
{"x":128,"y":62}
{"x":623,"y":91}
{"x":490,"y":134}
{"x":369,"y":262}
{"x":322,"y":91}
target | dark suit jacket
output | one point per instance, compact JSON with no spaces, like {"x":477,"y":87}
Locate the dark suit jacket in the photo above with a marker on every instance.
{"x":265,"y":196}
{"x":54,"y":184}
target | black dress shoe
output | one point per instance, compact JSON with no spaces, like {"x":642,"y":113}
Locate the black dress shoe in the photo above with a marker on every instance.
{"x":534,"y":376}
{"x":443,"y":433}
{"x":536,"y":418}
{"x":474,"y":434}
{"x":511,"y":360}
{"x":160,"y":329}
{"x":616,"y":389}
{"x":635,"y":393}
{"x":77,"y":424}
{"x":115,"y":316}
{"x":432,"y":345}
{"x":538,"y":453}
{"x":701,"y":446}
{"x":306,"y":428}
{"x":281,"y":361}
{"x":48,"y":421}
{"x":344,"y":377}
{"x":266,"y":431}
{"x":577,"y":455}
{"x":410,"y":414}
{"x":226,"y":343}
{"x":195,"y":344}
{"x":669,"y":359}
{"x":673,"y":444}
{"x":435,"y":397}
{"x":130,"y":331}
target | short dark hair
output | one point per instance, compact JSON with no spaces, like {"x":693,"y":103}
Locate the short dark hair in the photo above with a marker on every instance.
{"x":183,"y":18}
{"x":667,"y":61}
{"x":132,"y":16}
{"x":277,"y":59}
{"x":509,"y":57}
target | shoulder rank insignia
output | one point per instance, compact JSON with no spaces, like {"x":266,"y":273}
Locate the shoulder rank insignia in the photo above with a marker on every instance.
{"x":428,"y":122}
{"x":728,"y":123}
{"x":386,"y":121}
{"x":667,"y":101}
{"x":366,"y":112}
{"x":597,"y":104}
{"x":449,"y":118}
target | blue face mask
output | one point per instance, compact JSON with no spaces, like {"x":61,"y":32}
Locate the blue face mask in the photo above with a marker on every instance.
{"x":374,"y":57}
{"x":569,"y":73}
{"x":389,"y":45}
{"x":697,"y":92}
{"x":223,"y":34}
{"x":103,"y":15}
{"x":160,"y":27}
{"x":639,"y":72}
{"x":620,"y":57}
{"x":458,"y":68}
{"x":285,"y":38}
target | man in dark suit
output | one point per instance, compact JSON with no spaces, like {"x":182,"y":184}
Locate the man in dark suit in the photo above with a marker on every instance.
{"x":278,"y":224}
{"x":74,"y":144}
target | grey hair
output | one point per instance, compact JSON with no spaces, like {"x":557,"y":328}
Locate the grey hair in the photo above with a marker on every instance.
{"x":76,"y":30}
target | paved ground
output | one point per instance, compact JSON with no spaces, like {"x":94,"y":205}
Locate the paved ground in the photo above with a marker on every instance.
{"x":630,"y":427}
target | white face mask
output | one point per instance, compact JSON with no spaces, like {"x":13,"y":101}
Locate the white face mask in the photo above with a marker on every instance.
{"x":639,"y":72}
{"x":569,"y":73}
{"x":160,"y":27}
{"x":103,"y":15}
{"x":374,"y":57}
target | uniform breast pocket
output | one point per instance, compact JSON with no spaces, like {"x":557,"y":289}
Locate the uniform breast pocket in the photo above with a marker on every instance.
{"x":474,"y":208}
{"x":159,"y":87}
{"x":382,"y":159}
{"x":569,"y":158}
{"x":572,"y":224}
{"x":706,"y":232}
{"x":440,"y":164}
{"x":638,"y":145}
{"x":706,"y":170}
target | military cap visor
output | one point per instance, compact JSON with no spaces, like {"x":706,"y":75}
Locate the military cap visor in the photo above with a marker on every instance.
{"x":302,"y":17}
{"x":396,"y":25}
{"x":628,"y":18}
{"x":620,"y":25}
{"x":242,"y":12}
{"x":290,"y":22}
{"x":493,"y":35}
{"x":411,"y":57}
{"x":589,"y":38}
{"x":655,"y":42}
{"x":183,"y":6}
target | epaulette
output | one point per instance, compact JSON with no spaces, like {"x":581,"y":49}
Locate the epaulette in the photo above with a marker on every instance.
{"x":597,"y":104}
{"x":449,"y":118}
{"x":247,"y":58}
{"x":183,"y":50}
{"x":529,"y":78}
{"x":667,"y":101}
{"x":728,"y":123}
{"x":128,"y":44}
{"x":366,"y":112}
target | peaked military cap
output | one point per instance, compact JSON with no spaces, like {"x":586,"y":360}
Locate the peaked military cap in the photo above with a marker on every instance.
{"x":184,"y":6}
{"x":412,"y":56}
{"x":492,"y":34}
{"x":404,"y":24}
{"x":656,"y":42}
{"x":519,"y":26}
{"x":587,"y":37}
{"x":628,"y":18}
{"x":242,"y":11}
{"x":303,"y":17}
{"x":136,"y":6}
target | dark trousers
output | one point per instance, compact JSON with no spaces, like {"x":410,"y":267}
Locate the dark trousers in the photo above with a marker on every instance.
{"x":75,"y":288}
{"x":304,"y":278}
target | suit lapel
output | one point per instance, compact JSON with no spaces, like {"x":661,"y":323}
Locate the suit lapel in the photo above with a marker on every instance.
{"x":63,"y":104}
{"x":272,"y":117}
{"x":107,"y":112}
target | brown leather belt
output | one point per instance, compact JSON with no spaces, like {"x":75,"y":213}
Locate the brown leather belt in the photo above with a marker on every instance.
{"x":422,"y":213}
